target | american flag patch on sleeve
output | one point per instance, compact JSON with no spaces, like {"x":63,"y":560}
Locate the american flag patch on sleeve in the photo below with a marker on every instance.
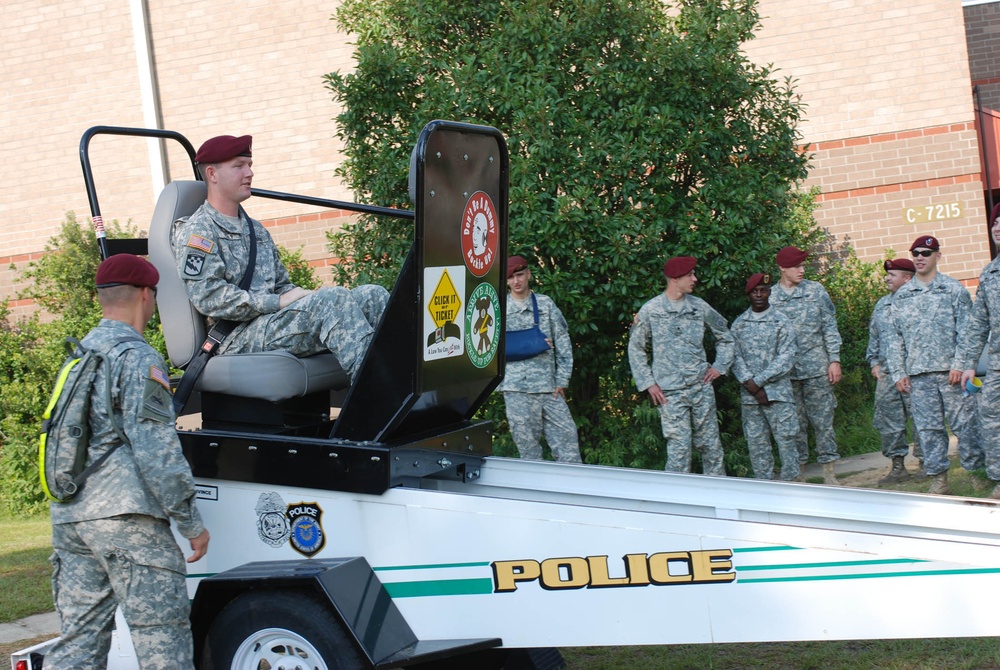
{"x":200,"y":243}
{"x":158,"y":375}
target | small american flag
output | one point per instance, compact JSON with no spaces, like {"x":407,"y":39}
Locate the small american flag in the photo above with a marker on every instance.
{"x":200,"y":243}
{"x":158,"y":375}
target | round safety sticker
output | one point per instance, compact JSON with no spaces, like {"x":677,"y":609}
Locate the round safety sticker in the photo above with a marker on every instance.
{"x":482,"y":325}
{"x":480,"y":239}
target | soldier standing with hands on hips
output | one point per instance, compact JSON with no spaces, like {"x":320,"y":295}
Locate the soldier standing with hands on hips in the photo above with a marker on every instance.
{"x":817,"y":363}
{"x":112,"y":544}
{"x":679,"y":379}
{"x":534,"y":389}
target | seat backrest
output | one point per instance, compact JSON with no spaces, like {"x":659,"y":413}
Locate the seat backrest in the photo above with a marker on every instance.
{"x":183,"y":327}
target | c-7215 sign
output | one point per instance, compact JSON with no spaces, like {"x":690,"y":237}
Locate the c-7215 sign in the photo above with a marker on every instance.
{"x":933,"y":212}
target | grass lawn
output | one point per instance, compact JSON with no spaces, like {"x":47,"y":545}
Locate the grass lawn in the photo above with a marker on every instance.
{"x":25,"y":547}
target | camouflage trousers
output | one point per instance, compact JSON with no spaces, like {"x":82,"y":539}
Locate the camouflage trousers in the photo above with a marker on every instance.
{"x":892,"y":411}
{"x":933,"y":401}
{"x":989,"y":423}
{"x":760,"y":422}
{"x":131,"y":561}
{"x":531,"y":414}
{"x":815,"y":403}
{"x":689,"y":421}
{"x":332,"y":318}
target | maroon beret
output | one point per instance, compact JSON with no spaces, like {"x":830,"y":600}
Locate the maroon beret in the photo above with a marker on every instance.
{"x":904,"y":264}
{"x":757,"y":279}
{"x":994,"y":214}
{"x":927,"y":242}
{"x":222,"y":148}
{"x":789,"y":257}
{"x":126,"y":269}
{"x":515,"y":264}
{"x":678,"y":266}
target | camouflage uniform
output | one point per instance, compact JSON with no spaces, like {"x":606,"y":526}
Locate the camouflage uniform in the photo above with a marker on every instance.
{"x":809,"y":308}
{"x":529,"y":385}
{"x":765,"y":353}
{"x":676,"y":333}
{"x":984,"y":322}
{"x":212,"y":252}
{"x":112,"y":542}
{"x":924,"y":346}
{"x":892,"y":408}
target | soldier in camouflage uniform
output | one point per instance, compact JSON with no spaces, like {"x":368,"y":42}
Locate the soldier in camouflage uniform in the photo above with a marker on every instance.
{"x":929,"y":313}
{"x":817,"y":364}
{"x":892,"y":408}
{"x":984,"y":324}
{"x":765,"y":353}
{"x":534,"y":389}
{"x":112,"y":542}
{"x":679,"y":381}
{"x":212,"y":249}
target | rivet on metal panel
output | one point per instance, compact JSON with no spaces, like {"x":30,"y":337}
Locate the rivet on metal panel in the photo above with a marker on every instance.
{"x":213,"y":444}
{"x":444,"y":463}
{"x":465,"y":157}
{"x":433,"y":194}
{"x":376,"y":459}
{"x":491,"y":159}
{"x":444,"y":444}
{"x":252,"y":448}
{"x":438,"y":154}
{"x":293,"y":451}
{"x":333,"y":454}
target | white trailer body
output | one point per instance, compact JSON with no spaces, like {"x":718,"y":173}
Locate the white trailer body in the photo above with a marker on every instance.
{"x":547,"y":554}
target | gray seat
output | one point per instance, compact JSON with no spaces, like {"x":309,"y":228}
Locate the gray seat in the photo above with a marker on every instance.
{"x":273,"y":376}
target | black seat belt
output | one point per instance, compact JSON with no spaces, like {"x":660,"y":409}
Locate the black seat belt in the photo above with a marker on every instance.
{"x":216,"y":335}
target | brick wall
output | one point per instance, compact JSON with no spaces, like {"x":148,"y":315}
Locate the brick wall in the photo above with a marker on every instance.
{"x":888,"y":120}
{"x":223,"y":68}
{"x":982,"y":34}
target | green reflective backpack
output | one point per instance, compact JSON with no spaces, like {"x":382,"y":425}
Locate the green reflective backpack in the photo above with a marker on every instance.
{"x":65,"y":436}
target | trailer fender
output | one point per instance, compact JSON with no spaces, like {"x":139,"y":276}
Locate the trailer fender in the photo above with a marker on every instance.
{"x":336,"y":612}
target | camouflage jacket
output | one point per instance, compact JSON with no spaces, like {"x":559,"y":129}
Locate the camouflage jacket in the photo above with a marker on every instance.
{"x":213,"y":252}
{"x":150,"y":476}
{"x":549,"y":370}
{"x":809,"y":308}
{"x":984,"y":319}
{"x":879,"y":330}
{"x":765,"y":353}
{"x":676,"y":334}
{"x":927,"y":322}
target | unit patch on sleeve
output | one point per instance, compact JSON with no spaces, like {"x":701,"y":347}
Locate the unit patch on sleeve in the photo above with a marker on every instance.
{"x":194,"y":263}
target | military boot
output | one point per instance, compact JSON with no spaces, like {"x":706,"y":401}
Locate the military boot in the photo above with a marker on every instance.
{"x":829,"y":477}
{"x":939,"y":484}
{"x":897,"y":474}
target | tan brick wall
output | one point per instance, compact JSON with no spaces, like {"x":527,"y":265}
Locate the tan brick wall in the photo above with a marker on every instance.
{"x":223,"y":68}
{"x":888,"y":119}
{"x":867,"y":68}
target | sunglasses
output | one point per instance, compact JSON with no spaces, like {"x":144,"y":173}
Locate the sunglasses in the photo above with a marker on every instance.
{"x":926,"y":253}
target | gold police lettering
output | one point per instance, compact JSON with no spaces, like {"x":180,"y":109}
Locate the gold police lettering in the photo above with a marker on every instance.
{"x":711,"y":566}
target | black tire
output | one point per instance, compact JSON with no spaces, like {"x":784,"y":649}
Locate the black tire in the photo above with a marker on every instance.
{"x":279,"y":629}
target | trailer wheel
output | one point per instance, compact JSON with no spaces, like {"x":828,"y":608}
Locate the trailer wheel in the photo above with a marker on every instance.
{"x":278,"y":630}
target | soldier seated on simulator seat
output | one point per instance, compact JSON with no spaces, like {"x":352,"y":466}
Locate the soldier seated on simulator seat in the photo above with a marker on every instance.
{"x":213,"y":248}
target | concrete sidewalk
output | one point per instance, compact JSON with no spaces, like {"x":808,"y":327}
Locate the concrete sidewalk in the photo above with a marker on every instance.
{"x":37,"y":625}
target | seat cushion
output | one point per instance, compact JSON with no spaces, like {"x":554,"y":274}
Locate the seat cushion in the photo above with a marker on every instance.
{"x":272,"y":375}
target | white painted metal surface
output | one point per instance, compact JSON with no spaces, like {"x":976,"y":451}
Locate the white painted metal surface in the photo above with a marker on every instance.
{"x":628,"y":557}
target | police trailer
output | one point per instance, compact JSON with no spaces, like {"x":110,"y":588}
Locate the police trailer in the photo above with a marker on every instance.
{"x":384,"y":535}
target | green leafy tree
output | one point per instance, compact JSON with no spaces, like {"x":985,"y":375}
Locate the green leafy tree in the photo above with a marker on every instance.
{"x":636,"y":132}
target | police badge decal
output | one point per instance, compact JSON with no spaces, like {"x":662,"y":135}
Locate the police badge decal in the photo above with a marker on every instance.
{"x":272,"y":523}
{"x":307,"y":536}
